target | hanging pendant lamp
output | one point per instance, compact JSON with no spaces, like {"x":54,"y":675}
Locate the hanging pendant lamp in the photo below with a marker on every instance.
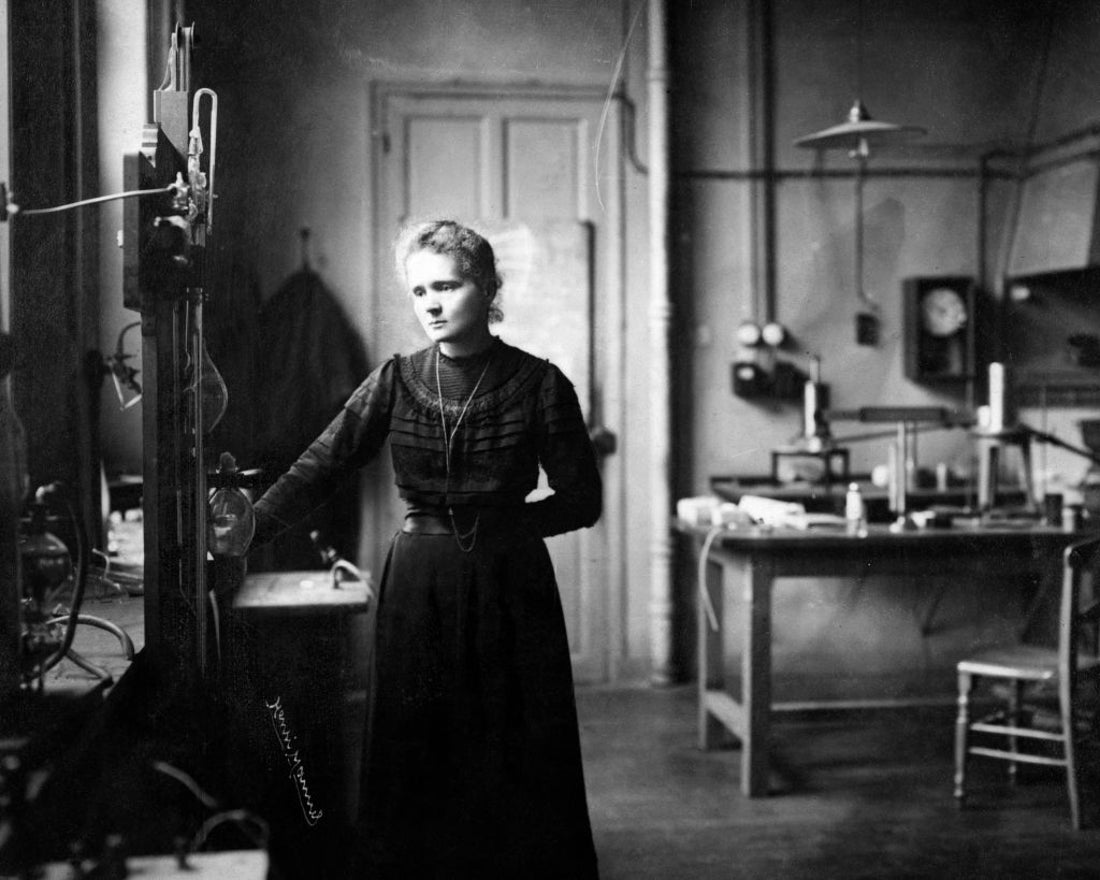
{"x":858,"y":133}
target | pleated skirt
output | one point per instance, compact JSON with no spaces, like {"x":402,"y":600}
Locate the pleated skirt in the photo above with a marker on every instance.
{"x":471,"y":761}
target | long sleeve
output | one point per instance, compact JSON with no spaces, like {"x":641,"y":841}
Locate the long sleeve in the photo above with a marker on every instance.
{"x":566,"y":454}
{"x":352,"y":439}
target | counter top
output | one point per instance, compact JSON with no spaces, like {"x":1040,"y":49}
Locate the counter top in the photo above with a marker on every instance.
{"x":821,"y":497}
{"x":976,"y":538}
{"x":301,"y":592}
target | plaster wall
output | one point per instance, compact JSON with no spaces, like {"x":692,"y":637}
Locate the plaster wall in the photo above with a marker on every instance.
{"x":122,"y":96}
{"x":933,"y":65}
{"x":976,"y":76}
{"x":296,"y":149}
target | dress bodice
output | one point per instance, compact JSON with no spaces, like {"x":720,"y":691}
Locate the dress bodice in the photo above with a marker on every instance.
{"x":524,"y":414}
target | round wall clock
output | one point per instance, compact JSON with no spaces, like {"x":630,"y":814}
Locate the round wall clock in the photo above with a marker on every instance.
{"x":939,"y":329}
{"x":943,"y":311}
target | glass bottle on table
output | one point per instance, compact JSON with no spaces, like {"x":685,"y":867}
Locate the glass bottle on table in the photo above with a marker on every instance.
{"x":855,"y":511}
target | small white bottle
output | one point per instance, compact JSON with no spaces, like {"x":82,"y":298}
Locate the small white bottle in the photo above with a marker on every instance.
{"x":855,"y":512}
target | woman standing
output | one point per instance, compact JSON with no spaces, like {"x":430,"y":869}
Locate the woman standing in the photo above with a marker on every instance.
{"x":471,"y":762}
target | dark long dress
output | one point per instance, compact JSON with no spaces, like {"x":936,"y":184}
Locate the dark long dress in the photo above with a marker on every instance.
{"x":471,"y":762}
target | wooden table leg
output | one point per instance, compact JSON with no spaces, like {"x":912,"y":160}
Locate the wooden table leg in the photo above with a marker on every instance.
{"x":756,"y":674}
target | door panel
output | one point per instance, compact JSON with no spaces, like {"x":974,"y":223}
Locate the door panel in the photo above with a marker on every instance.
{"x":435,"y":148}
{"x":542,"y":167}
{"x":514,"y":168}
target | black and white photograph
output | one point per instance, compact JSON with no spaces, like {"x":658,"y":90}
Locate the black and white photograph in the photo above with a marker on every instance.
{"x":550,"y":439}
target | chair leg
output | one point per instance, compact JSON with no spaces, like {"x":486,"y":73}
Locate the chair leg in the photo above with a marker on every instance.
{"x":1015,"y":700}
{"x":962,"y":730}
{"x":85,"y":664}
{"x":1069,"y":730}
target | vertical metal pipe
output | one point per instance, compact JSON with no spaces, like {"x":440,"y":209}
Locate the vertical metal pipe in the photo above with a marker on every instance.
{"x":11,"y":464}
{"x":761,"y":126}
{"x":198,"y":365}
{"x":5,"y":164}
{"x":660,"y":374}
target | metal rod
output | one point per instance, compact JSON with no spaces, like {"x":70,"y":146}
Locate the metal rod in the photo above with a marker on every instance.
{"x":836,"y":173}
{"x":199,"y":483}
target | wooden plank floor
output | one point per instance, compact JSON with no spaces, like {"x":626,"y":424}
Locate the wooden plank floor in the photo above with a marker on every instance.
{"x":859,"y":795}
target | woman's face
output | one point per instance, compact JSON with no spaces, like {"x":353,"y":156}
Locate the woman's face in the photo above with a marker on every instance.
{"x":453,"y":310}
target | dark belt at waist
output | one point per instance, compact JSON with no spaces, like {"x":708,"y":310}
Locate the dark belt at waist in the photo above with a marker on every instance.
{"x":427,"y":524}
{"x":440,"y":522}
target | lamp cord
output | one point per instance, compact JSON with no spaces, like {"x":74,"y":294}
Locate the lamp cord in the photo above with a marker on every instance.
{"x":129,"y":194}
{"x":859,"y":49}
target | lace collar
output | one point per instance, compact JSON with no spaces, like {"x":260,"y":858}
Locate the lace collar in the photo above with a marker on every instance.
{"x":527,"y":370}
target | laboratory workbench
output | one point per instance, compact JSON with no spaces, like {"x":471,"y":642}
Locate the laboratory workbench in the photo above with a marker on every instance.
{"x":829,"y":497}
{"x":741,"y":569}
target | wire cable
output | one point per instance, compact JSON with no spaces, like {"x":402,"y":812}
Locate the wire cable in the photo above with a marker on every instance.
{"x":129,"y":194}
{"x":243,"y":818}
{"x":615,"y":74}
{"x":260,"y":830}
{"x":212,"y":599}
{"x":704,"y":595}
{"x":188,"y":781}
{"x":80,"y":574}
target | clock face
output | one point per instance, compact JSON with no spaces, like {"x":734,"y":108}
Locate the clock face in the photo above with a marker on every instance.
{"x":943,"y":311}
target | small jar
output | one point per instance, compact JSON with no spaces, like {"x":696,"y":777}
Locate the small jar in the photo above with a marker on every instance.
{"x":855,"y":511}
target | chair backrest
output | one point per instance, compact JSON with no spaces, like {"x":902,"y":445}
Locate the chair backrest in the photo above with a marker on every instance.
{"x":1079,"y":613}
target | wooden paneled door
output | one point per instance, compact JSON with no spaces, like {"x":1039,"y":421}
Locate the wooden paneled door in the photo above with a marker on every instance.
{"x":522,"y":167}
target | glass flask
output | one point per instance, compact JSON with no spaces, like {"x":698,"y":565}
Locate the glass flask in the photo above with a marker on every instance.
{"x":213,"y":393}
{"x":230,"y":521}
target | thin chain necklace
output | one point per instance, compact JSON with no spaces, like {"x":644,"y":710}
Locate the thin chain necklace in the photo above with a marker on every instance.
{"x":448,"y":440}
